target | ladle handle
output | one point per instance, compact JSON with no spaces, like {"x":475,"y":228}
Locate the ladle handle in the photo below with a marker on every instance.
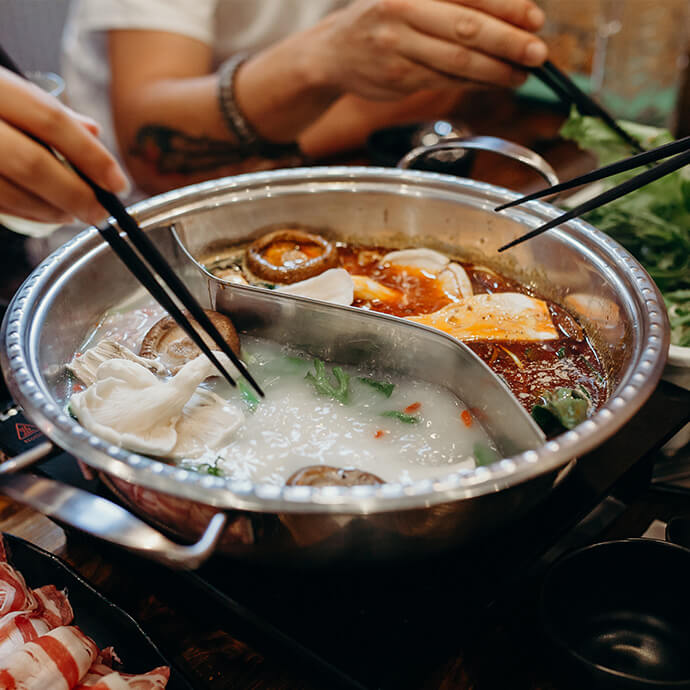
{"x":503,"y":147}
{"x":108,"y":521}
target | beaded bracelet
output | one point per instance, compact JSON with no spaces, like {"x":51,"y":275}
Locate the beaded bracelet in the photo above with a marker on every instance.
{"x":250,"y":142}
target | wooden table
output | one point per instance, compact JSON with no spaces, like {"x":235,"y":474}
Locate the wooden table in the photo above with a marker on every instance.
{"x":508,"y":652}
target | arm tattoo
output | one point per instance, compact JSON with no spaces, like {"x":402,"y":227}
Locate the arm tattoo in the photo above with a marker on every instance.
{"x":171,"y":151}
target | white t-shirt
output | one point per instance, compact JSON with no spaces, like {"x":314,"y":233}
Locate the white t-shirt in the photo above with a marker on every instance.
{"x":229,"y":26}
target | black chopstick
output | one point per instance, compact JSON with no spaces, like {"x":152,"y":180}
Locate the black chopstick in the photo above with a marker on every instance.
{"x":640,"y":159}
{"x":146,"y":278}
{"x":669,"y":166}
{"x":594,"y":107}
{"x":567,"y":90}
{"x":149,"y":251}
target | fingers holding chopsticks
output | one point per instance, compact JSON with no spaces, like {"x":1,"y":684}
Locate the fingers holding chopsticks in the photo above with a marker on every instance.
{"x":382,"y":49}
{"x":33,"y":183}
{"x":464,"y":42}
{"x":464,"y":39}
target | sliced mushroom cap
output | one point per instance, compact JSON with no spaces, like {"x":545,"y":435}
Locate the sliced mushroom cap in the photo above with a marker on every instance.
{"x":173,"y":348}
{"x":290,"y":255}
{"x":325,"y":475}
{"x":84,"y":366}
{"x":129,"y":406}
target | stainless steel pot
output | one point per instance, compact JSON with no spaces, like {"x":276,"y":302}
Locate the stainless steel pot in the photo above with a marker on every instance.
{"x":574,"y":265}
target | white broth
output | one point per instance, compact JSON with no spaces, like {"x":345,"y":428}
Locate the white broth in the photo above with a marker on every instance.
{"x":397,"y":428}
{"x":295,"y":426}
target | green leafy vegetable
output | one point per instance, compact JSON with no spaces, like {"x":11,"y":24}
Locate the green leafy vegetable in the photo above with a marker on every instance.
{"x":653,"y":223}
{"x":340,"y":390}
{"x":381,"y":386}
{"x":547,"y":421}
{"x":484,"y":455}
{"x":592,"y":368}
{"x":678,"y":305}
{"x":204,"y":468}
{"x":402,"y":417}
{"x":566,"y":407}
{"x":248,"y":396}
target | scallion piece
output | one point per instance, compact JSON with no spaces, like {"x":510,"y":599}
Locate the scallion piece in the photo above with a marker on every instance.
{"x":381,"y":386}
{"x":401,"y":417}
{"x":247,"y":394}
{"x":324,"y":386}
{"x":484,"y":455}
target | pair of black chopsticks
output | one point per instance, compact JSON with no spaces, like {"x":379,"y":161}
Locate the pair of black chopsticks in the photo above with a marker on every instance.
{"x":568,"y":91}
{"x":157,"y":262}
{"x":679,"y":150}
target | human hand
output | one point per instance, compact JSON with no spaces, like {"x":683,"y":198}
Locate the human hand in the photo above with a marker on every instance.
{"x":384,"y":49}
{"x":33,"y":183}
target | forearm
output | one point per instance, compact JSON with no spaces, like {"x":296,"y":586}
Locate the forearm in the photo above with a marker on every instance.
{"x":347,"y":124}
{"x":169,"y":124}
{"x":166,"y":100}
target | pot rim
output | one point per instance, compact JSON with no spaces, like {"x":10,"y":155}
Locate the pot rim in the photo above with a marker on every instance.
{"x":26,"y":384}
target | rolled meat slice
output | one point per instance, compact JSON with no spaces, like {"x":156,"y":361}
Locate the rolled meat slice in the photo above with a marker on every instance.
{"x":153,"y":680}
{"x":14,"y":593}
{"x":54,"y":661}
{"x":53,"y":606}
{"x":19,"y":627}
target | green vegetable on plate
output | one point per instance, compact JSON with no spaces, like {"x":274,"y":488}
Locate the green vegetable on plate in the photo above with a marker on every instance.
{"x":653,"y":222}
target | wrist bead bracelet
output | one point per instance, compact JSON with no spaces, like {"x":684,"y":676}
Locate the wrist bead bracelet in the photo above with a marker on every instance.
{"x":249,"y":141}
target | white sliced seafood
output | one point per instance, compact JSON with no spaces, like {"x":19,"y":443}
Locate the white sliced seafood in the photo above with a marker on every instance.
{"x":485,"y":269}
{"x":84,"y":366}
{"x":230,"y":275}
{"x":131,"y":407}
{"x":503,"y":316}
{"x":455,"y":281}
{"x":421,"y":257}
{"x":366,"y":288}
{"x":334,"y":285}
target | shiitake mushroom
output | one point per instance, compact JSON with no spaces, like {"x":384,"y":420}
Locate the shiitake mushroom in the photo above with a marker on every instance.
{"x":290,"y":255}
{"x":168,"y":343}
{"x":325,"y":475}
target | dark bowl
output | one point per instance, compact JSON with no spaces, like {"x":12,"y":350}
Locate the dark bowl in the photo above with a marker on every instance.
{"x":619,"y":612}
{"x":678,"y":530}
{"x":387,"y":146}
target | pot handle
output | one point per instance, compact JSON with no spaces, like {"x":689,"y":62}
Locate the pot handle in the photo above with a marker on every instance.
{"x":27,"y":458}
{"x":108,"y":521}
{"x":505,"y":148}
